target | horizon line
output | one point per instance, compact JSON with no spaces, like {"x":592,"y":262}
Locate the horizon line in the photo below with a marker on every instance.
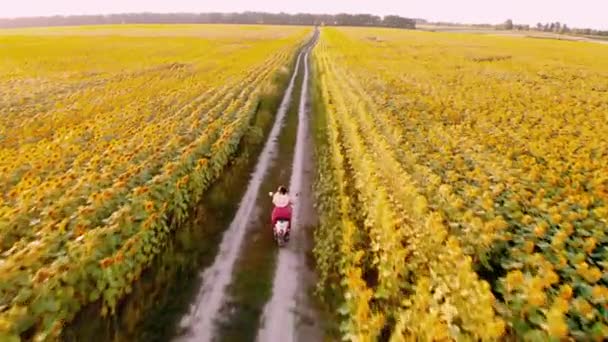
{"x":292,"y":13}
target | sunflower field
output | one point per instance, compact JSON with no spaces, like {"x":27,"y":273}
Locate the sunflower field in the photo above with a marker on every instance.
{"x":463,"y":181}
{"x":108,"y":135}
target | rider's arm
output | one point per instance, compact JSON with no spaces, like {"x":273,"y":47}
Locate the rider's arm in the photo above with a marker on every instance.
{"x":274,"y":198}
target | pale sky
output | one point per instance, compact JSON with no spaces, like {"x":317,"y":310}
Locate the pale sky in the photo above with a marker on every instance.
{"x":575,"y":13}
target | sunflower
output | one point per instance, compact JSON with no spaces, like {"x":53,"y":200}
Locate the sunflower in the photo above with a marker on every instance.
{"x":556,"y":324}
{"x":141,"y":190}
{"x":514,"y":280}
{"x":107,"y":262}
{"x":149,"y":206}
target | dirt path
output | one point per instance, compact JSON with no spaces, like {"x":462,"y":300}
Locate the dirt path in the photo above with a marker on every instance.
{"x":289,"y":315}
{"x":199,"y":323}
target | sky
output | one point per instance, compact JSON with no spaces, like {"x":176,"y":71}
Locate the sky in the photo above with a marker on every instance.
{"x":575,"y":13}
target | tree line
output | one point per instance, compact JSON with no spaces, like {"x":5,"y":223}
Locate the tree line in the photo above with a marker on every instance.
{"x":558,"y":27}
{"x":215,"y":18}
{"x":555,"y":27}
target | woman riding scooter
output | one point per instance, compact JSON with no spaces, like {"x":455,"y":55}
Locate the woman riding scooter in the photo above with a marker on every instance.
{"x":282,"y":207}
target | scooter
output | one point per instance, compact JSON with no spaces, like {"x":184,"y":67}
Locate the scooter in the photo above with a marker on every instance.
{"x":281,"y":228}
{"x":280,"y":231}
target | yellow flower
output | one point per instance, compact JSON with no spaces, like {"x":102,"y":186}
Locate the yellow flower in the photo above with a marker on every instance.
{"x":560,"y":304}
{"x":540,"y":229}
{"x":95,"y":198}
{"x":120,"y":184}
{"x":599,"y":293}
{"x":589,"y":245}
{"x":528,"y":247}
{"x":567,"y":228}
{"x":63,"y":224}
{"x":565,"y":292}
{"x":141,"y":190}
{"x":527,"y":219}
{"x":13,"y":194}
{"x":561,"y":262}
{"x":149,"y":206}
{"x":497,"y":328}
{"x":593,"y":275}
{"x":556,"y":324}
{"x":550,"y":278}
{"x":536,"y":296}
{"x":107,"y":194}
{"x":558,"y":239}
{"x":514,"y":280}
{"x":202,"y":162}
{"x":583,"y":307}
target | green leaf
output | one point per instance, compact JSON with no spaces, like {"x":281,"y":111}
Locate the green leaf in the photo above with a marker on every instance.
{"x":344,"y":309}
{"x":536,"y":317}
{"x":23,"y":296}
{"x":521,"y":326}
{"x":9,"y":338}
{"x":23,"y":323}
{"x":535,"y":336}
{"x":93,"y":295}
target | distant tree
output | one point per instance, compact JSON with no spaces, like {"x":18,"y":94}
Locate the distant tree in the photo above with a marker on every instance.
{"x":399,"y":22}
{"x":539,"y":26}
{"x":558,"y":27}
{"x":367,"y":20}
{"x":508,"y":24}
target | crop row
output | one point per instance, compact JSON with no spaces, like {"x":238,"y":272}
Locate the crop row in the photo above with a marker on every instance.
{"x":507,"y":158}
{"x":84,"y":228}
{"x":396,"y":259}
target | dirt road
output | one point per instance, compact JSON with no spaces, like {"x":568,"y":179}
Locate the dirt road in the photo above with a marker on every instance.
{"x":292,"y":274}
{"x":200,"y":320}
{"x":289,"y":316}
